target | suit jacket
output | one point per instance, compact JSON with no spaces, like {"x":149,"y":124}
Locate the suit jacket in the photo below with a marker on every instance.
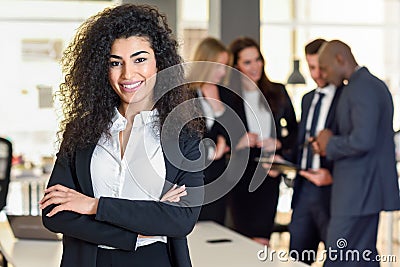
{"x":216,"y":167}
{"x":363,"y":151}
{"x":119,"y":221}
{"x":319,"y":193}
{"x":286,"y":133}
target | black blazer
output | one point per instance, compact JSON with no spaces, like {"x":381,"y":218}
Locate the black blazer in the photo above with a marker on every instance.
{"x":119,"y":221}
{"x":286,"y":134}
{"x":363,"y":149}
{"x":216,"y":130}
{"x":324,"y":191}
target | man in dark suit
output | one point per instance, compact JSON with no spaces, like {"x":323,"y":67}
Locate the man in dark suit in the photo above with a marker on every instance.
{"x":363,"y":151}
{"x":312,"y":188}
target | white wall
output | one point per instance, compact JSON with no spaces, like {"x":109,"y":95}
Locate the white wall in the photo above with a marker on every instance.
{"x":31,"y":129}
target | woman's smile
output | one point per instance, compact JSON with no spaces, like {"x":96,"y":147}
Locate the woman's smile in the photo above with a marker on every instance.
{"x":131,"y":87}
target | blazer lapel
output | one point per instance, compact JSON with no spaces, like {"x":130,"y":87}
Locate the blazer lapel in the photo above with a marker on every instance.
{"x":82,"y":165}
{"x":306,"y":110}
{"x":172,"y":160}
{"x":302,"y":125}
{"x":330,"y":119}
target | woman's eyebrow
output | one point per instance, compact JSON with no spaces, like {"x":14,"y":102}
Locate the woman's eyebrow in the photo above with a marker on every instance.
{"x":133,"y":55}
{"x":138,"y":53}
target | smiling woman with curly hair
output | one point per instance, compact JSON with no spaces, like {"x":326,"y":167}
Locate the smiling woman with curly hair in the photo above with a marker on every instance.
{"x":117,"y":192}
{"x":87,"y":96}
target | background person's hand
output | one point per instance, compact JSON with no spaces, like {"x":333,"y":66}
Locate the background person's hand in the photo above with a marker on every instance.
{"x":221,"y":147}
{"x":68,"y":199}
{"x":247,"y":140}
{"x":319,"y":177}
{"x":322,"y":140}
{"x":314,"y":145}
{"x":268,"y":167}
{"x":269,"y":144}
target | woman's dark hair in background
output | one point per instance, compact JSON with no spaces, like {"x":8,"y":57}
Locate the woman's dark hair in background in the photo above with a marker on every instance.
{"x":89,"y":101}
{"x":274,"y":95}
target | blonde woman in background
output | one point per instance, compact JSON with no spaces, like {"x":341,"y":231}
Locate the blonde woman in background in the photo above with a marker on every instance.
{"x":211,"y":76}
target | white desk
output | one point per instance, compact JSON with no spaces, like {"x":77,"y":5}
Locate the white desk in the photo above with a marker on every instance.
{"x":28,"y":253}
{"x":241,"y":251}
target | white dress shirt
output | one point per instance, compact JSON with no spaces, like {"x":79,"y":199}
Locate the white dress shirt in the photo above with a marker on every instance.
{"x":257,"y":116}
{"x":140,"y":174}
{"x":329,"y":92}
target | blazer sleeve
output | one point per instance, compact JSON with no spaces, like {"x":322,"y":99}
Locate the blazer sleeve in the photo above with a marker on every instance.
{"x":160,"y":218}
{"x":289,"y":141}
{"x":220,"y":129}
{"x":83,"y":227}
{"x":364,"y":118}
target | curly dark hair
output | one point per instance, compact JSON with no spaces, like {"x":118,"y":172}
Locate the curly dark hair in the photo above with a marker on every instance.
{"x":88,"y":99}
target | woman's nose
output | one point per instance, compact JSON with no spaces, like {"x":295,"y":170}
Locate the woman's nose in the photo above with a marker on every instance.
{"x":254,"y":66}
{"x":128,"y":71}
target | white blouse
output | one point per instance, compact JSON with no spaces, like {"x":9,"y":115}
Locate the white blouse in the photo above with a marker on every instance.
{"x":259,"y":119}
{"x":209,"y":114}
{"x":140,"y":174}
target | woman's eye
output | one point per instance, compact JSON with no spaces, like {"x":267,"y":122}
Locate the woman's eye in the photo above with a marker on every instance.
{"x":115,"y":63}
{"x":140,"y":60}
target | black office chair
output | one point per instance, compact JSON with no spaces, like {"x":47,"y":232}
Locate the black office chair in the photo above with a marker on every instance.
{"x":5,"y":173}
{"x":5,"y":169}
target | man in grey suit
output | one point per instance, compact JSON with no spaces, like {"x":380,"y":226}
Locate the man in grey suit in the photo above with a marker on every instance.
{"x":312,"y":186}
{"x":365,"y":179}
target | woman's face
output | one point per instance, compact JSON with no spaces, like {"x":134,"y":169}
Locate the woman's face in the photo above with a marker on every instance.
{"x":250,"y":63}
{"x":220,"y":70}
{"x":131,"y":65}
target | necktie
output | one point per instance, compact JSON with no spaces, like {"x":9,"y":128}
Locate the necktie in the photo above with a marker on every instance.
{"x":314,"y":122}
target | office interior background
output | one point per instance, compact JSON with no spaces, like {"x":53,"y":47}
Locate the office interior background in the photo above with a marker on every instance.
{"x":34,"y":34}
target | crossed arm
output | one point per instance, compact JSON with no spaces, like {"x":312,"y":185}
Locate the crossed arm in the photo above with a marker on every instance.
{"x":67,"y":199}
{"x":117,"y":222}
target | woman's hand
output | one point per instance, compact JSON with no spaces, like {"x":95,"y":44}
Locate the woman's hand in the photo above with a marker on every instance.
{"x":247,"y":140}
{"x":68,"y":199}
{"x":269,"y":144}
{"x":174,"y":194}
{"x":271,"y":172}
{"x":221,"y":147}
